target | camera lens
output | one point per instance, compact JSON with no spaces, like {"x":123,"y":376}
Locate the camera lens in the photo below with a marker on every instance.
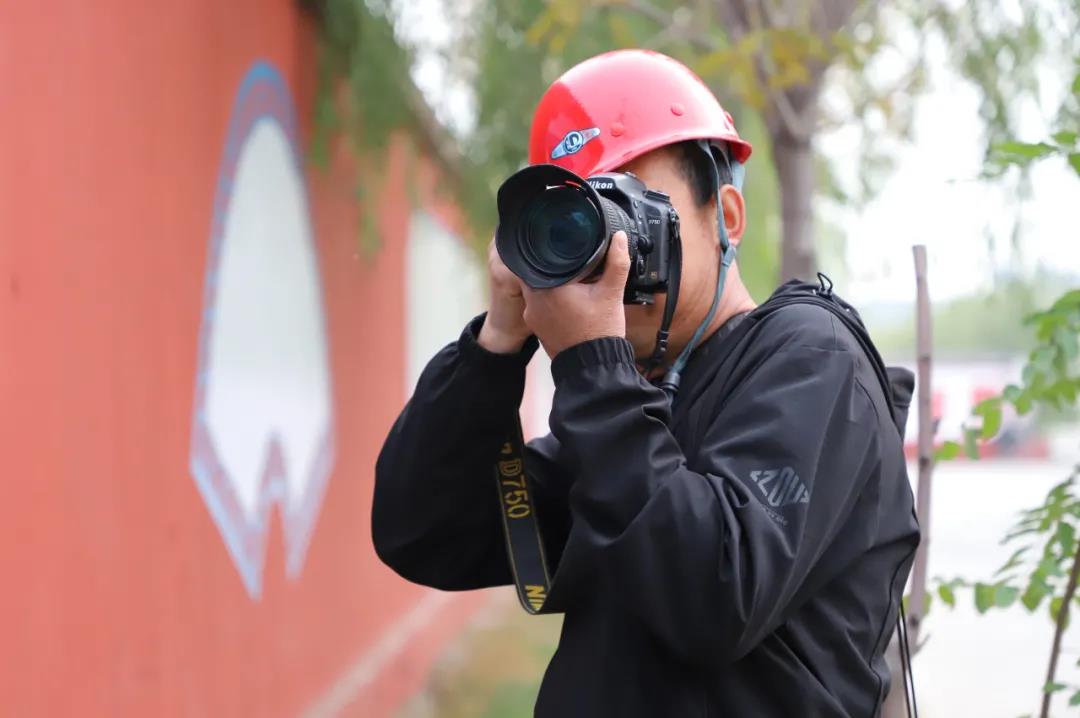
{"x":560,"y":232}
{"x":555,"y":227}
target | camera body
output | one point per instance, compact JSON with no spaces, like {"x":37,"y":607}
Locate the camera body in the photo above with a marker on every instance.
{"x":555,"y":227}
{"x":654,"y":225}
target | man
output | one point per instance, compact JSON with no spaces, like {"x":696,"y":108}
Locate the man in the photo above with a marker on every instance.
{"x":739,"y":550}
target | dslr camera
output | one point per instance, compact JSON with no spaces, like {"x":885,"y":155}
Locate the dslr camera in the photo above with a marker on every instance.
{"x":555,"y":228}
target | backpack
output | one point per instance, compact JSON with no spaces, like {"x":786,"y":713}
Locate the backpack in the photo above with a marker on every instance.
{"x":898,"y":386}
{"x":897,"y":383}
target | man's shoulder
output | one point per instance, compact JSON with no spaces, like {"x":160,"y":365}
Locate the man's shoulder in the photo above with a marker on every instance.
{"x":804,"y":325}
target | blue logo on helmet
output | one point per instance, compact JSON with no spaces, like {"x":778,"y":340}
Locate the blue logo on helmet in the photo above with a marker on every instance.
{"x":573,"y":141}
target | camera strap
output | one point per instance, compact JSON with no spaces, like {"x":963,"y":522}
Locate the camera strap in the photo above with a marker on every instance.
{"x":670,"y":382}
{"x":524,"y":545}
{"x":674,"y":280}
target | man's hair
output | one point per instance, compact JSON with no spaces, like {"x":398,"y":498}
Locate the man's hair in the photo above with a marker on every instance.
{"x":696,"y":171}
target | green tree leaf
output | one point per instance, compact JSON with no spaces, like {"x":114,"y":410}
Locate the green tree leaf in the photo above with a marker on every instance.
{"x":1005,"y":596}
{"x":1074,"y":161}
{"x":1068,"y":343}
{"x":1055,"y":609}
{"x":1054,"y":687}
{"x":991,"y":421}
{"x":1066,"y":537}
{"x":1020,"y":153}
{"x":985,"y":596}
{"x":948,"y":596}
{"x":1049,"y":567}
{"x":1068,"y":300}
{"x":1074,"y":699}
{"x":971,"y":446}
{"x":1066,"y":138}
{"x":1036,"y":591}
{"x":947,"y":451}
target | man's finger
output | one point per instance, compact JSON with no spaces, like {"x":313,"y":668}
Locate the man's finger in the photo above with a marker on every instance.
{"x":617,"y":264}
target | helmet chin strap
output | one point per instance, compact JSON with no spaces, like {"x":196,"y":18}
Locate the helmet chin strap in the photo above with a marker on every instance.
{"x":670,"y":382}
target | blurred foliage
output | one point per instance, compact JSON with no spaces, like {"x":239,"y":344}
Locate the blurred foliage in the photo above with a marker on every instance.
{"x":519,"y":48}
{"x":1051,"y":379}
{"x":1014,"y":55}
{"x":766,"y":62}
{"x":879,"y":75}
{"x":1010,"y":153}
{"x":1003,"y":50}
{"x":363,"y":95}
{"x":358,"y":47}
{"x":1015,"y":58}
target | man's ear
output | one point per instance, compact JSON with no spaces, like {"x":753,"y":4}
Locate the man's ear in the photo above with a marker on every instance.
{"x":734,"y":205}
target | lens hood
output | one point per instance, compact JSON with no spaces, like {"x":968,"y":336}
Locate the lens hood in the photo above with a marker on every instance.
{"x":517,"y":200}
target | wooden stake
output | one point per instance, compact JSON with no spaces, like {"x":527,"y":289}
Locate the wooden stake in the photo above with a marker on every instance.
{"x":923,"y":345}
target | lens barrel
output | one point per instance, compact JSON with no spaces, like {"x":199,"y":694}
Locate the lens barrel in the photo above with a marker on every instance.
{"x":554,"y":228}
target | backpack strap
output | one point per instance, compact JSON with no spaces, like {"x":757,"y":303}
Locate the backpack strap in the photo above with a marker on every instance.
{"x":897,"y":385}
{"x":823,"y":297}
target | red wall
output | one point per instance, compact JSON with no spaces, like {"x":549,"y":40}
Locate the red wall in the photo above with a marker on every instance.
{"x":119,"y":597}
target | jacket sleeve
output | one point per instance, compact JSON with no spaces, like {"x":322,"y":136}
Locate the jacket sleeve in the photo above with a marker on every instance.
{"x":435,"y":513}
{"x":709,"y":556}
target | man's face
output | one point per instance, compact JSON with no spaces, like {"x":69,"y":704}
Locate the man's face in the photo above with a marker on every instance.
{"x":662,"y":170}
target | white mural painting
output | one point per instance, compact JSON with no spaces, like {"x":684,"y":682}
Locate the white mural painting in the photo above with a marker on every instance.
{"x":263,"y":426}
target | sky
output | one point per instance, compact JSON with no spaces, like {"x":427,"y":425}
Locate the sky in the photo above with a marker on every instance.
{"x":932,"y":197}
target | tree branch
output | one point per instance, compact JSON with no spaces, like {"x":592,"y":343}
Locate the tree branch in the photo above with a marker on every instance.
{"x":735,"y":16}
{"x":794,"y":122}
{"x":835,"y":14}
{"x":1059,"y":630}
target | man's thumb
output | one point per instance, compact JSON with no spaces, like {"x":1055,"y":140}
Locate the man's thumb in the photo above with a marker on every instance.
{"x":617,"y":265}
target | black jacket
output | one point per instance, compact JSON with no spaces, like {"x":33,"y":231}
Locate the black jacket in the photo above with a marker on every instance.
{"x":741,"y":553}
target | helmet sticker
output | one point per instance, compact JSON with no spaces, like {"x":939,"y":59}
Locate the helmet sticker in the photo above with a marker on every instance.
{"x":573,"y":141}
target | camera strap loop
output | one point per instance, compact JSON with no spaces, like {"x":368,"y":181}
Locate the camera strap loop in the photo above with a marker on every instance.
{"x":524,"y":544}
{"x":674,"y":280}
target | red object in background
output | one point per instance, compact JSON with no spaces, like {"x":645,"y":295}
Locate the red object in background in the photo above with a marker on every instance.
{"x":937,"y":405}
{"x":119,"y":596}
{"x":1034,"y":448}
{"x":982,"y":393}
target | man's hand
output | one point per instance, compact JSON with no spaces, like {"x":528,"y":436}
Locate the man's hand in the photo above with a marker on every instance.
{"x":575,"y":313}
{"x":504,"y":330}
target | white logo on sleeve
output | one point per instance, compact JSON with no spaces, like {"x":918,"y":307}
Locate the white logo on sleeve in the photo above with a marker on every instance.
{"x":781,"y":487}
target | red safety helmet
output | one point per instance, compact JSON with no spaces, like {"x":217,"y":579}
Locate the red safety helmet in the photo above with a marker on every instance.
{"x":611,"y":108}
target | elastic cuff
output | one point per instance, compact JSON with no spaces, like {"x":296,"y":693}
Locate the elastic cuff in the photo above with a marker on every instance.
{"x":469,"y":346}
{"x":595,"y":352}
